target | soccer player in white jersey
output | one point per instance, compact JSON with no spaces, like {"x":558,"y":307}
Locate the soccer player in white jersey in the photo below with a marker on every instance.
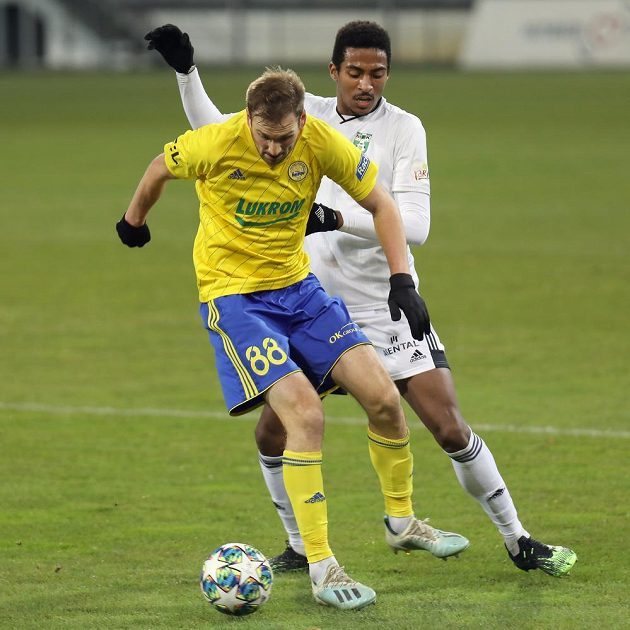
{"x":350,"y":263}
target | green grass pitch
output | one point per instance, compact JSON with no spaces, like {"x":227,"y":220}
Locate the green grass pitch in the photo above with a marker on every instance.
{"x":119,"y":467}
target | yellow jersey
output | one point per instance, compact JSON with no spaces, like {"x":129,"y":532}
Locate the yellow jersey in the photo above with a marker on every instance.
{"x":252,"y":216}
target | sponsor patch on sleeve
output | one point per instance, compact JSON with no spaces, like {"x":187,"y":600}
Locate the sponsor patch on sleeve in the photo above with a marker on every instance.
{"x":362,"y":167}
{"x":420,"y":171}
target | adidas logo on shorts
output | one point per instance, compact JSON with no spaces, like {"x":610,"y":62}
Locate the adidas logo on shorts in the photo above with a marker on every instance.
{"x":417,"y":356}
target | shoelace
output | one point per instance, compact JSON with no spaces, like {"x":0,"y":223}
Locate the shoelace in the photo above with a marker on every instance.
{"x":421,"y":528}
{"x":537,"y":548}
{"x":544,"y":550}
{"x":337,"y":577}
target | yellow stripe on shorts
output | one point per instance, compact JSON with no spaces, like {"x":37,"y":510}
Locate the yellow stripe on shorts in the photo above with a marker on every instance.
{"x":246,"y":380}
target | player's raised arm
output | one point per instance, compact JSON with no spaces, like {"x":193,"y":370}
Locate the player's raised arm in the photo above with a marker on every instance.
{"x":178,"y":52}
{"x":132,"y":228}
{"x":200,"y":110}
{"x":389,"y":229}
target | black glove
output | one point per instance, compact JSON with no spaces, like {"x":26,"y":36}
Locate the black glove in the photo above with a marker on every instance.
{"x":404,"y":297}
{"x":321,"y":219}
{"x":133,"y":236}
{"x":173,"y":45}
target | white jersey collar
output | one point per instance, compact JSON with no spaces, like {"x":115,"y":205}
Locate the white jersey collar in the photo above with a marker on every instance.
{"x":345,"y":119}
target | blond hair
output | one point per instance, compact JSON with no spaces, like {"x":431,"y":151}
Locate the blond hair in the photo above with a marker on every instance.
{"x":275,"y":94}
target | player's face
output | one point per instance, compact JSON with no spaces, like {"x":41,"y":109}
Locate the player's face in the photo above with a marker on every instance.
{"x":275,"y":140}
{"x":360,"y":79}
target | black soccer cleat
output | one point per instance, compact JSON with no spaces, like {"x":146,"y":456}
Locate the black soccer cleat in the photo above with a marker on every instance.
{"x":288,"y":560}
{"x":556,"y":561}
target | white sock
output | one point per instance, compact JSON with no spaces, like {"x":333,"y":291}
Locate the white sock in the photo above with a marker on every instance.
{"x":317,"y":570}
{"x":478,"y":474}
{"x":272,"y":473}
{"x":398,"y":524}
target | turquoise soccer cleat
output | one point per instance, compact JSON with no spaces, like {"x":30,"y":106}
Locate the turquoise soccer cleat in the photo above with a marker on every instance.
{"x":421,"y":536}
{"x":339,"y":590}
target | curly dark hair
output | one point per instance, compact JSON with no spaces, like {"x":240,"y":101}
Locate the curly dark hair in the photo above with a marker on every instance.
{"x":361,"y":34}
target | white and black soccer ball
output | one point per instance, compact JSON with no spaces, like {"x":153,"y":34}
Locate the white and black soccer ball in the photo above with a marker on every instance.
{"x":236,"y":579}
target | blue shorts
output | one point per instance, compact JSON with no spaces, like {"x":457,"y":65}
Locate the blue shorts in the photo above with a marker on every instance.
{"x":259,"y":338}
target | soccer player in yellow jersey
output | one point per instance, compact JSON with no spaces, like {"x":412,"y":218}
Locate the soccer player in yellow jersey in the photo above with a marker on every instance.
{"x":278,"y":337}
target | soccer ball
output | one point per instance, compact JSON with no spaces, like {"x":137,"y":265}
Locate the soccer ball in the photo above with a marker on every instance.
{"x":236,"y":579}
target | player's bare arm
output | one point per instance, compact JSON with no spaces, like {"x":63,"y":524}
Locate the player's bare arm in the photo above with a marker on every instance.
{"x":388,"y":227}
{"x":132,"y":228}
{"x":149,"y":190}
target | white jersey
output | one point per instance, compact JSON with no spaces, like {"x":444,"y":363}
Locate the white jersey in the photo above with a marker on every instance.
{"x":350,"y":262}
{"x":351,"y":266}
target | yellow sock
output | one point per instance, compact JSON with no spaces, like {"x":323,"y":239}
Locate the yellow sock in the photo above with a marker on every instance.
{"x":304,"y":484}
{"x":393,"y":461}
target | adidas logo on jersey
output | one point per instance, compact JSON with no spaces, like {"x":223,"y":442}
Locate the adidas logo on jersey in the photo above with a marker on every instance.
{"x":318,"y":497}
{"x":417,"y":356}
{"x":237,"y":174}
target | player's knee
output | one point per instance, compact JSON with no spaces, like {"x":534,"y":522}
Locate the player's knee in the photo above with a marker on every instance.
{"x":312,"y":420}
{"x":307,"y":433}
{"x":452,"y":433}
{"x":383,"y":406}
{"x":304,"y":425}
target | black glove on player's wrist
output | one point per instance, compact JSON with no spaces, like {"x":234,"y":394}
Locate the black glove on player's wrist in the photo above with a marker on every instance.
{"x":321,"y":219}
{"x":133,"y":236}
{"x":404,"y":297}
{"x":173,"y":45}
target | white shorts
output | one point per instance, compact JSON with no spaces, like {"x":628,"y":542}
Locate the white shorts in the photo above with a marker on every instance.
{"x":401,"y":354}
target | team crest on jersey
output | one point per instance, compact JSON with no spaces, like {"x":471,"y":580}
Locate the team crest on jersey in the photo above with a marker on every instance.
{"x":298,"y":171}
{"x":362,"y":141}
{"x":420,"y":171}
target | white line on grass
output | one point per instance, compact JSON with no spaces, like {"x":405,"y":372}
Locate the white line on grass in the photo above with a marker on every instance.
{"x":222,"y":415}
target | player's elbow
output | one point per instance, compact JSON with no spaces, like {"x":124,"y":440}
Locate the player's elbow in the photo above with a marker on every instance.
{"x":415,"y":210}
{"x":418,"y":233}
{"x":158,"y":170}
